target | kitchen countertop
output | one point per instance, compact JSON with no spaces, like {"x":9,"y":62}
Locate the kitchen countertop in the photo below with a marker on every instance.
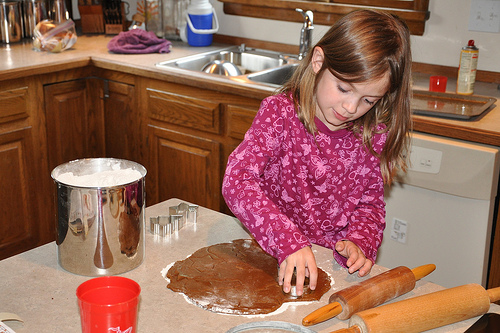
{"x":38,"y":290}
{"x":19,"y":60}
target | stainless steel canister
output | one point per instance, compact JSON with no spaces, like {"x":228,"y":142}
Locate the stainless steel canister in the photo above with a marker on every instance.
{"x":34,"y":11}
{"x":10,"y":21}
{"x":100,"y":215}
{"x":59,"y":12}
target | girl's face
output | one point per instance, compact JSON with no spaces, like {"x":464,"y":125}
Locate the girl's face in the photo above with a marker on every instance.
{"x":339,"y":102}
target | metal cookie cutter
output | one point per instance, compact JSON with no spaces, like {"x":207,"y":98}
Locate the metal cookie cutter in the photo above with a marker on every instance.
{"x":165,"y":225}
{"x":189,"y":212}
{"x":154,"y":225}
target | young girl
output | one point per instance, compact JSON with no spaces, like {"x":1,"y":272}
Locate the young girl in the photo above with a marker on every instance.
{"x":312,"y":167}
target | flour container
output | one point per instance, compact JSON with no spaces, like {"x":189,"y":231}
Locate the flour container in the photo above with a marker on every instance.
{"x":100,"y":215}
{"x":202,"y":23}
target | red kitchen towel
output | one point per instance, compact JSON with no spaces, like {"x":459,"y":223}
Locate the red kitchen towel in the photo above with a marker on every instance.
{"x":138,"y":41}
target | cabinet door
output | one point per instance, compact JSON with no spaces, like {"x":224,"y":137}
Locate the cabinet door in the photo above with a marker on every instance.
{"x":20,"y":225}
{"x":183,"y":166}
{"x":121,"y":122}
{"x":75,"y":120}
{"x":239,"y":120}
{"x":22,"y":188}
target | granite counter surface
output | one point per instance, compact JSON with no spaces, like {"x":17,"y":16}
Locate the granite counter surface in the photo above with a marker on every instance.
{"x":42,"y":293}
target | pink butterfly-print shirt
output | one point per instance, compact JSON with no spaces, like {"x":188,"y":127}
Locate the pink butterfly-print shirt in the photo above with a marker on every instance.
{"x":292,"y":190}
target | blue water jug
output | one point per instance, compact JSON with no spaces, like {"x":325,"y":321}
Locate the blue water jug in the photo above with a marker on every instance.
{"x":202,"y":23}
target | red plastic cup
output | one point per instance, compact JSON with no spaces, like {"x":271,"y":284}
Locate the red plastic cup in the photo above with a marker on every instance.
{"x":108,"y":304}
{"x":438,"y":83}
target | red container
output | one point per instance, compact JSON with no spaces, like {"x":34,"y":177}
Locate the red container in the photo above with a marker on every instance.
{"x":438,"y":83}
{"x":108,"y":304}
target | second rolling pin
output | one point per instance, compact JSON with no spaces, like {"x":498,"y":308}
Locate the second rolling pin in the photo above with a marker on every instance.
{"x":369,"y":293}
{"x":422,"y":313}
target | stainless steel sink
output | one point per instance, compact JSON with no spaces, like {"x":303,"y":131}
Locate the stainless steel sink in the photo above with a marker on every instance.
{"x":274,"y":76}
{"x":256,"y":65}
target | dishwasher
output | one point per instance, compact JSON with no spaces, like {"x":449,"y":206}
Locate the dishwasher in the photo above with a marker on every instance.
{"x":442,"y":210}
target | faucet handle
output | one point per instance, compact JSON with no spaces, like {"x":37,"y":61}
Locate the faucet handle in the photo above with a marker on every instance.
{"x":308,"y":17}
{"x":305,"y":33}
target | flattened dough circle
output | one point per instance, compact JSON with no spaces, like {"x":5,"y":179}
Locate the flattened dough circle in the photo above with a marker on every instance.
{"x":236,"y":278}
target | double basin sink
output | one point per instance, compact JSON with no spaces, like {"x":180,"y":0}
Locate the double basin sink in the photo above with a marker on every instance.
{"x":254,"y":66}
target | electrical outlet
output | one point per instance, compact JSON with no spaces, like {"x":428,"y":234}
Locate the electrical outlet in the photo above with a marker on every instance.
{"x":399,"y":230}
{"x":425,"y":159}
{"x":484,"y":15}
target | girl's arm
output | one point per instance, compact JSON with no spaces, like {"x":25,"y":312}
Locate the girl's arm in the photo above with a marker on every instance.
{"x":241,"y":189}
{"x":366,"y":225}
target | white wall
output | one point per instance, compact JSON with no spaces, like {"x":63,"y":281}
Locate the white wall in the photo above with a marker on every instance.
{"x":446,"y":32}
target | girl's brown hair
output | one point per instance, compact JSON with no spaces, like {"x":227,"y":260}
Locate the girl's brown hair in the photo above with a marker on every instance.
{"x":363,"y":46}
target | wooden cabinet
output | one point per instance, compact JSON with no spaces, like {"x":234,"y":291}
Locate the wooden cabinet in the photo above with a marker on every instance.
{"x":49,"y":120}
{"x":183,"y":163}
{"x":181,"y":134}
{"x":20,"y":181}
{"x":239,"y":120}
{"x":414,"y":12}
{"x":122,"y":121}
{"x":183,"y":166}
{"x":18,"y":230}
{"x":75,"y":120}
{"x":190,"y":132}
{"x":91,"y":117}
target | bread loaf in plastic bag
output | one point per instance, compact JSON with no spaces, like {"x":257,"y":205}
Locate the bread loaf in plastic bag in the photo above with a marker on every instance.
{"x":53,"y":37}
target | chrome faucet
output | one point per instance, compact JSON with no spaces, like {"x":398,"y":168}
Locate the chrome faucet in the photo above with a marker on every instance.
{"x":305,"y":32}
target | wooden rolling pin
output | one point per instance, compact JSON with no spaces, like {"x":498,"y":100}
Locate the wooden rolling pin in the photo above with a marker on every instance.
{"x":425,"y":312}
{"x":369,"y":293}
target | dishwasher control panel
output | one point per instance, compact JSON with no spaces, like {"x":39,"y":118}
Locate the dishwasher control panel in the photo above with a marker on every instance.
{"x":452,"y":166}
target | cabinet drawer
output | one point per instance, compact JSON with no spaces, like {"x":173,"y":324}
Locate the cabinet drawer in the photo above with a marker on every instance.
{"x":14,"y":104}
{"x":239,"y":121}
{"x":186,"y":111}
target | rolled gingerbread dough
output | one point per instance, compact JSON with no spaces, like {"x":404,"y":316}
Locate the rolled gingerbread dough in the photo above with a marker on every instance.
{"x":236,"y":278}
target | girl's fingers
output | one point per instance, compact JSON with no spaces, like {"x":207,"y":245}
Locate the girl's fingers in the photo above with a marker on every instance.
{"x":281,"y":273}
{"x":313,"y":276}
{"x":299,"y":280}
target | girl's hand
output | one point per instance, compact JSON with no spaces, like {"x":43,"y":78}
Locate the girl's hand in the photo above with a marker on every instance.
{"x":356,"y":259}
{"x":304,"y":262}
